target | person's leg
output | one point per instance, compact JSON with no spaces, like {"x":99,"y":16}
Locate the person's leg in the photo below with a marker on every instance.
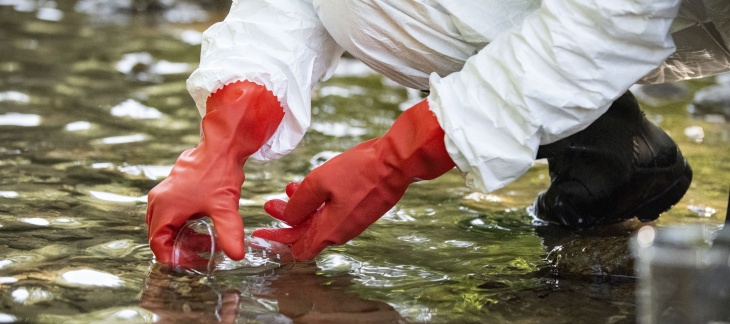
{"x":621,"y":166}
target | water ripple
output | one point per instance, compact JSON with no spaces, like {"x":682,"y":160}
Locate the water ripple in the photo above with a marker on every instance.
{"x":78,"y":126}
{"x":413,"y":239}
{"x":338,"y":129}
{"x":14,"y":96}
{"x":35,"y":221}
{"x":109,"y":315}
{"x":336,"y":263}
{"x":88,"y":277}
{"x":8,"y":280}
{"x":114,"y":249}
{"x":7,"y":318}
{"x":107,"y":196}
{"x":32,"y":295}
{"x":49,"y":14}
{"x":135,"y":110}
{"x":341,"y":91}
{"x":123,"y":139}
{"x":152,"y":172}
{"x":9,"y":194}
{"x":396,"y":275}
{"x":16,"y":119}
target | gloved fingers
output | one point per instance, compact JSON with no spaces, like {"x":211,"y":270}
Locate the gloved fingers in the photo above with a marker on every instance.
{"x":305,"y":249}
{"x":162,"y":231}
{"x":275,"y":208}
{"x":282,"y":235}
{"x":153,"y":201}
{"x":307,"y":198}
{"x":150,"y":211}
{"x":161,"y":243}
{"x":291,"y":187}
{"x":229,"y":229}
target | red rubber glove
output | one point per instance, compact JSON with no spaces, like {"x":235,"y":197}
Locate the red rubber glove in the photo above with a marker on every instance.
{"x":340,"y":199}
{"x":206,"y":180}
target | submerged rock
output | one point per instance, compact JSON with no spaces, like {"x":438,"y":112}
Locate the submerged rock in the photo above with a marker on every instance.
{"x":712,"y":101}
{"x":657,"y":94}
{"x":603,"y":251}
{"x":593,"y":256}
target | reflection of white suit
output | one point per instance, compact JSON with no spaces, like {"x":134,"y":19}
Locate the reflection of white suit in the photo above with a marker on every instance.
{"x":505,"y":76}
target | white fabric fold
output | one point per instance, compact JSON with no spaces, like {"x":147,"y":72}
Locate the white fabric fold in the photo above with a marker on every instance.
{"x":546,"y":79}
{"x":505,"y":75}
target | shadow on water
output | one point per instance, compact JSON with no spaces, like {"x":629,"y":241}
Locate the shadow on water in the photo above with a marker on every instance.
{"x":94,"y":111}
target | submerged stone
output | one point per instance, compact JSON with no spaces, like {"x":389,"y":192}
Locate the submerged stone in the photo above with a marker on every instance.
{"x":593,"y":256}
{"x":603,"y":251}
{"x":712,"y":100}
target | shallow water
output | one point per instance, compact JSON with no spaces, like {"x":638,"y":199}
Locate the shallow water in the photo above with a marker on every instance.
{"x":94,"y":111}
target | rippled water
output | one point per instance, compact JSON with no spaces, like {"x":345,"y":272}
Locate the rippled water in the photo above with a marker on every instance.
{"x":93,"y":112}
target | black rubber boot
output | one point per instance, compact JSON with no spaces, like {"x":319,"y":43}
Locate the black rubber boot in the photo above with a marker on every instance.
{"x":621,"y":166}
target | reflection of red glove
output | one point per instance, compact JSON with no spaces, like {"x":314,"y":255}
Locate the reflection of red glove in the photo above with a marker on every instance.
{"x":360,"y":185}
{"x":206,"y":180}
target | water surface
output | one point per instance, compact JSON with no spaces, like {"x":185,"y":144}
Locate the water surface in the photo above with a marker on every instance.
{"x":94,"y":111}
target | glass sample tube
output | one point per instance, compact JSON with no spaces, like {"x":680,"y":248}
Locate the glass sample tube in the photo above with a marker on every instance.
{"x":196,"y":249}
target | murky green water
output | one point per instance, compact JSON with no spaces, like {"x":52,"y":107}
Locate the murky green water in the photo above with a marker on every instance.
{"x":93,"y":112}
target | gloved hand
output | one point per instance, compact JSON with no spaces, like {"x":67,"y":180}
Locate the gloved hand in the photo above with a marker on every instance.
{"x":206,"y":180}
{"x":339,"y":199}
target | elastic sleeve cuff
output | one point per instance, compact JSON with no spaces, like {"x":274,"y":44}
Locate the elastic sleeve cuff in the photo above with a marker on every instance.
{"x":281,"y":45}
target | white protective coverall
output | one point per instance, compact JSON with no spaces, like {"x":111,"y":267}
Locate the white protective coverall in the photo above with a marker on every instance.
{"x":505,"y":76}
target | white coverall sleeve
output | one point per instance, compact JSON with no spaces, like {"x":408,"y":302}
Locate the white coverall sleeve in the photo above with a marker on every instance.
{"x":281,"y":45}
{"x":544,"y":80}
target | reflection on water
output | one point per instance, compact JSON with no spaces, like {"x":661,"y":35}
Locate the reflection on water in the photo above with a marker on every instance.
{"x":94,"y":111}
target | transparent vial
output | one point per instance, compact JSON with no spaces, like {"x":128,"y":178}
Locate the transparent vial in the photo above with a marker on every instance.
{"x":197,"y":250}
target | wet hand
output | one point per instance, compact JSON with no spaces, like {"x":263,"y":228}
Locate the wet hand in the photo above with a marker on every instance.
{"x":340,"y":199}
{"x":206,"y":181}
{"x":335,"y":203}
{"x":200,"y":184}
